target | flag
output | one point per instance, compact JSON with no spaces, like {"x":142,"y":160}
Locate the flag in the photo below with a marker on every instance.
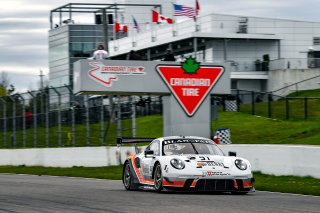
{"x":197,"y":8}
{"x":180,"y":10}
{"x":120,"y":27}
{"x":158,"y":18}
{"x":135,"y":24}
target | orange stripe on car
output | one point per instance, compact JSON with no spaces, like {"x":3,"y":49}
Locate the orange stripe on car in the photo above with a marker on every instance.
{"x":136,"y":170}
{"x":194,"y":183}
{"x":173,"y":183}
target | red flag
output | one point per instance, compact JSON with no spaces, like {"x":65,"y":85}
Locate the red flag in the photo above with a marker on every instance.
{"x":197,"y":7}
{"x":120,"y":27}
{"x":158,"y":18}
{"x":155,"y":16}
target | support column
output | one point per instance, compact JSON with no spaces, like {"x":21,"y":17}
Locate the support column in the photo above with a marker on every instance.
{"x":195,"y":46}
{"x":177,"y":122}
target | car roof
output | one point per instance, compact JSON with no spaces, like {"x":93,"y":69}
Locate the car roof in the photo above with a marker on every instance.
{"x":184,"y":137}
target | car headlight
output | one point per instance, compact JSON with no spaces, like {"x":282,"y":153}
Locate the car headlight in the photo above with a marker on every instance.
{"x":240,"y":164}
{"x":177,"y":163}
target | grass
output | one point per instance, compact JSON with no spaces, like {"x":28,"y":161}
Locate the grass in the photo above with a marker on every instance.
{"x":298,"y":109}
{"x":306,"y":93}
{"x":289,"y":184}
{"x":302,"y":105}
{"x":109,"y":172}
{"x":248,"y":129}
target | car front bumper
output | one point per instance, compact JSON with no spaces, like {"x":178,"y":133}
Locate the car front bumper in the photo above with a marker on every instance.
{"x":210,"y":184}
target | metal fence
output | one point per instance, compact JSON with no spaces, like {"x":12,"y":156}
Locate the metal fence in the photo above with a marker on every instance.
{"x":273,"y":106}
{"x":54,"y":117}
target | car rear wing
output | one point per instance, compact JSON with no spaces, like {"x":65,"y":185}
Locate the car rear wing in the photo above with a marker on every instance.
{"x":134,"y":141}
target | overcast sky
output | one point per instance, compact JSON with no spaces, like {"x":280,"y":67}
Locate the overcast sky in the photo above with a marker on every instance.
{"x":24,"y":26}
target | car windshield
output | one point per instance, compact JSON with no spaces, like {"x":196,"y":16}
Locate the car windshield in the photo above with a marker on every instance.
{"x":190,"y":146}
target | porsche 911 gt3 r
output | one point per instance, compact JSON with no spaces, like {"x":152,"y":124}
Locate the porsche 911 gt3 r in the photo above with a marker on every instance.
{"x":185,"y":163}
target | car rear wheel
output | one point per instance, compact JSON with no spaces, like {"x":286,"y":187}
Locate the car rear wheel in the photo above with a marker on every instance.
{"x":127,"y":176}
{"x":158,"y":178}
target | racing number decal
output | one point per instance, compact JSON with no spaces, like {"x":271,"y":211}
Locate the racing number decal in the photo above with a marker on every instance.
{"x":204,"y":157}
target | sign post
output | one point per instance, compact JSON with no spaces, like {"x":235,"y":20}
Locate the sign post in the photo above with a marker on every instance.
{"x":186,"y":88}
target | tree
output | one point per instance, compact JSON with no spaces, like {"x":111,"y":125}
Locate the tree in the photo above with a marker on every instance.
{"x":3,"y":92}
{"x":5,"y":87}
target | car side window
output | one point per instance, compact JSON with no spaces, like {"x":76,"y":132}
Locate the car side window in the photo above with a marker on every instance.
{"x":155,"y":146}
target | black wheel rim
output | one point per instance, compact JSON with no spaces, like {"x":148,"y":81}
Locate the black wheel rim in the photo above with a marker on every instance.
{"x":127,"y":176}
{"x":158,"y":178}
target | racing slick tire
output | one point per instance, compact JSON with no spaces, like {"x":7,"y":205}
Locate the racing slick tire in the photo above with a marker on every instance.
{"x":127,"y":176}
{"x":158,"y":178}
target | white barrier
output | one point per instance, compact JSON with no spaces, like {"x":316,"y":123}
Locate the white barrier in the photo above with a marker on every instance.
{"x":65,"y":157}
{"x":293,"y":160}
{"x":269,"y":159}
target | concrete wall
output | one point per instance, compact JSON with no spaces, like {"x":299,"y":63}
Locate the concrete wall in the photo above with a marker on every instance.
{"x":65,"y":157}
{"x":281,"y":78}
{"x":280,"y":159}
{"x":269,"y":159}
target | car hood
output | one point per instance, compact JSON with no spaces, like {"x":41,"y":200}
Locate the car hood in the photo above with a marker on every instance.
{"x":207,"y":160}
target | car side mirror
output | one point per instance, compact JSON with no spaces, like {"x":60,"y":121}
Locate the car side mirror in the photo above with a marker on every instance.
{"x":232,"y":154}
{"x":148,"y":152}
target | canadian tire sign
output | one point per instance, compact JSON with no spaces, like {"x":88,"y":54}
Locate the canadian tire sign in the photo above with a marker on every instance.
{"x":190,"y":83}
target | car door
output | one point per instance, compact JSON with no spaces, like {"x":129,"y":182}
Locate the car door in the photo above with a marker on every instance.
{"x":148,"y":161}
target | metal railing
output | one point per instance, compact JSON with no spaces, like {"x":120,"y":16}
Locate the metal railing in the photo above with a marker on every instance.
{"x":52,"y":118}
{"x":273,"y":106}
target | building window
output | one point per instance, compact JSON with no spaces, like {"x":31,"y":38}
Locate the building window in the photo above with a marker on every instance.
{"x":316,"y":40}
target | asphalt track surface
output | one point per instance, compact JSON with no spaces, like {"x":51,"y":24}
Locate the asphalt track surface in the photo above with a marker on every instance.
{"x":28,"y":193}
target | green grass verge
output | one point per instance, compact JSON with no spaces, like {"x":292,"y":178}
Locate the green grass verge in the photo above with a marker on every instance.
{"x":289,"y":184}
{"x":108,"y":172}
{"x":249,"y":129}
{"x":298,"y":109}
{"x":306,"y":93}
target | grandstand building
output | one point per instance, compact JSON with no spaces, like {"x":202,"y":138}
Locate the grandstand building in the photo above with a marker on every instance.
{"x":266,"y":54}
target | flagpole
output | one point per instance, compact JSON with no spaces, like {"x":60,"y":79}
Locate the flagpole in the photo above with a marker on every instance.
{"x":196,"y":17}
{"x":133,"y":32}
{"x":174,"y":26}
{"x":153,"y":32}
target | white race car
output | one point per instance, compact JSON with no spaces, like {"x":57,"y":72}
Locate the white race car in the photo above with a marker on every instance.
{"x":185,"y":163}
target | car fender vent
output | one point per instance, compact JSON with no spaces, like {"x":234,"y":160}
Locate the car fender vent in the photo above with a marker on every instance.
{"x":188,"y":182}
{"x":137,"y":162}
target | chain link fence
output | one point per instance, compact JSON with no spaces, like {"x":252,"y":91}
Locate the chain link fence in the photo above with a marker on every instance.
{"x":273,"y":106}
{"x":54,"y":117}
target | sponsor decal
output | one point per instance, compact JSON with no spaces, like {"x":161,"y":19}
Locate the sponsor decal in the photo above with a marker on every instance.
{"x":212,"y":163}
{"x":214,"y":173}
{"x":190,"y":83}
{"x":199,"y":164}
{"x":187,"y":141}
{"x":166,"y":168}
{"x":106,"y":74}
